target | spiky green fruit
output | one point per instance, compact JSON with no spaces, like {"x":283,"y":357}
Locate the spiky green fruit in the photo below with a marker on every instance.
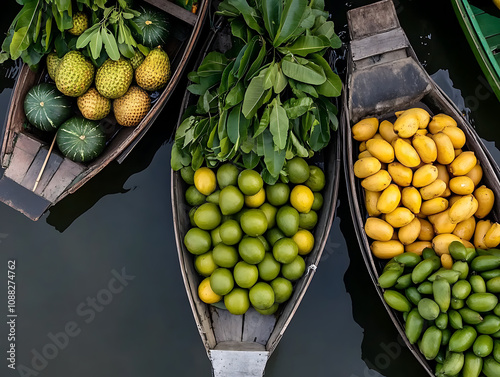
{"x":137,"y":59}
{"x":93,"y":105}
{"x":114,"y":77}
{"x":80,"y":23}
{"x":74,"y":74}
{"x":154,"y":72}
{"x":132,"y":107}
{"x":52,"y":63}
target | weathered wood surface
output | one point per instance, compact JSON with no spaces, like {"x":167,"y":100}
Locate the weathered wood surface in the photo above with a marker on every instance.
{"x":228,"y":363}
{"x":378,"y":44}
{"x":26,"y":150}
{"x":62,"y":178}
{"x":22,"y":199}
{"x":372,"y":19}
{"x":55,"y":160}
{"x":174,"y":10}
{"x":256,"y":327}
{"x":227,"y":327}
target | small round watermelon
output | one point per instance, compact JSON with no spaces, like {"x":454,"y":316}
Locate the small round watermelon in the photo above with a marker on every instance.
{"x":80,"y":139}
{"x":47,"y":108}
{"x":154,"y":26}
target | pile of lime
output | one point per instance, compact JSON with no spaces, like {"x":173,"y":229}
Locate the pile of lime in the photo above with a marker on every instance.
{"x":249,"y":239}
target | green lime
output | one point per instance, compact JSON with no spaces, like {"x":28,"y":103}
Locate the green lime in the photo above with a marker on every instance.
{"x":250,"y":182}
{"x":221,"y":281}
{"x":237,"y":301}
{"x":216,"y":238}
{"x":273,"y":309}
{"x":187,"y":174}
{"x":231,"y":200}
{"x":245,"y":275}
{"x":298,"y":170}
{"x":262,"y":239}
{"x":278,"y":194}
{"x":294,"y":270}
{"x":225,"y":256}
{"x":318,"y":202}
{"x":269,"y":268}
{"x":270,"y":212}
{"x":207,"y":216}
{"x":282,"y":289}
{"x":251,"y":250}
{"x":197,"y":241}
{"x":308,"y":220}
{"x":194,"y":197}
{"x":316,"y":180}
{"x":261,"y":296}
{"x":213,"y":197}
{"x":287,"y":220}
{"x":253,"y":222}
{"x":237,"y":216}
{"x":227,"y":174}
{"x":273,"y":235}
{"x":285,"y":250}
{"x":191,"y":215}
{"x":230,"y":232}
{"x":205,"y":264}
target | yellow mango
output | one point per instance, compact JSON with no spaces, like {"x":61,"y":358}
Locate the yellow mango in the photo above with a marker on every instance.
{"x":405,"y":153}
{"x":462,"y":185}
{"x":492,"y":236}
{"x":386,"y":129}
{"x":389,"y":199}
{"x":362,"y":146}
{"x":422,"y":115}
{"x":425,"y":147}
{"x":421,"y":131}
{"x":467,"y":244}
{"x":377,"y":182}
{"x":400,"y":217}
{"x":482,"y":228}
{"x":400,"y":174}
{"x":377,"y":136}
{"x":445,"y":177}
{"x":378,"y":229}
{"x":439,"y":122}
{"x":366,"y":166}
{"x":406,"y":125}
{"x":463,"y":164}
{"x":411,"y":199}
{"x":445,"y":150}
{"x":387,"y":249}
{"x":456,"y":136}
{"x":371,"y":200}
{"x":425,"y":175}
{"x":365,"y":129}
{"x":461,"y":209}
{"x":433,"y":206}
{"x":409,"y":233}
{"x":446,"y":261}
{"x":457,"y":152}
{"x":426,"y":230}
{"x":441,"y":222}
{"x":364,"y":154}
{"x":433,"y":190}
{"x":465,"y":229}
{"x":476,"y":174}
{"x":417,"y":247}
{"x":486,"y":200}
{"x":380,"y":149}
{"x":441,"y":243}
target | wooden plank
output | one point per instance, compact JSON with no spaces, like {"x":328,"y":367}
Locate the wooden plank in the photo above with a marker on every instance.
{"x":67,"y":172}
{"x":175,"y":10}
{"x":238,"y":363}
{"x":257,"y":327}
{"x":29,"y":178}
{"x":494,"y":42}
{"x":24,"y":153}
{"x":227,"y":327}
{"x":372,"y":19}
{"x":22,"y":199}
{"x":489,"y":24}
{"x":377,"y":44}
{"x":28,"y":143}
{"x":53,"y":164}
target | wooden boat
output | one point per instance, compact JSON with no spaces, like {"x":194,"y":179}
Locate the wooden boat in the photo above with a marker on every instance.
{"x":23,"y":154}
{"x":240,"y":345}
{"x":481,"y":26}
{"x":385,"y":76}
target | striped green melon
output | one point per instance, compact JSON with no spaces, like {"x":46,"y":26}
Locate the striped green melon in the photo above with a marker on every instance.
{"x":46,"y":107}
{"x":154,"y":26}
{"x":80,"y":139}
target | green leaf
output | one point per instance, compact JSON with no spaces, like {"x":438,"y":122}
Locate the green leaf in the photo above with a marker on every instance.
{"x":38,"y":26}
{"x":110,"y":45}
{"x":48,"y":29}
{"x":278,"y":125}
{"x":96,"y":45}
{"x":235,"y":95}
{"x":126,"y":50}
{"x":271,"y":12}
{"x":239,"y":29}
{"x":145,"y":50}
{"x":324,"y":28}
{"x":86,"y":36}
{"x":221,"y":126}
{"x":214,"y":62}
{"x":63,"y":5}
{"x":20,"y":42}
{"x":205,"y":84}
{"x":197,"y":160}
{"x":273,"y":159}
{"x":335,"y":41}
{"x":31,"y":56}
{"x":250,"y":160}
{"x":257,"y":63}
{"x":248,"y":56}
{"x":268,"y":178}
{"x":304,"y":73}
{"x":179,"y":158}
{"x":224,"y":79}
{"x":320,"y":133}
{"x":249,"y":14}
{"x":332,"y":87}
{"x":270,"y":74}
{"x":237,"y":126}
{"x":264,"y":122}
{"x":306,"y":44}
{"x":281,"y":81}
{"x":296,"y":107}
{"x":300,"y":150}
{"x":254,"y":96}
{"x":290,"y":19}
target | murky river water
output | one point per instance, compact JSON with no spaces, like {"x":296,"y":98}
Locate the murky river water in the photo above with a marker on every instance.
{"x":120,"y":224}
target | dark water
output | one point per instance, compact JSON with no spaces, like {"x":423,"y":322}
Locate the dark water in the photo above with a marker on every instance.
{"x":122,"y":220}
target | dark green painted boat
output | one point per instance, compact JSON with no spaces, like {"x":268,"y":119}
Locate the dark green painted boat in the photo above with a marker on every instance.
{"x":480,"y":22}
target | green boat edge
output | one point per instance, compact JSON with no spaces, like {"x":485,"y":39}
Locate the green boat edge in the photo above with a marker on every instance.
{"x":477,"y":42}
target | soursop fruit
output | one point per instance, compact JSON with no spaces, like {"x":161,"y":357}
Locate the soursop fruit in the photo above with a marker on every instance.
{"x":74,"y":74}
{"x":154,"y":72}
{"x":130,"y":109}
{"x":52,"y":63}
{"x":93,"y":105}
{"x":137,"y":60}
{"x":113,"y":78}
{"x":80,"y":23}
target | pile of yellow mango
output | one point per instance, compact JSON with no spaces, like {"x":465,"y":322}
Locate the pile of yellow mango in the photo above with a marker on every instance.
{"x":421,"y":189}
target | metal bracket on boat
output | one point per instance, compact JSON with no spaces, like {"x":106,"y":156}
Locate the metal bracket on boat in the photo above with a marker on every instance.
{"x":312,"y":267}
